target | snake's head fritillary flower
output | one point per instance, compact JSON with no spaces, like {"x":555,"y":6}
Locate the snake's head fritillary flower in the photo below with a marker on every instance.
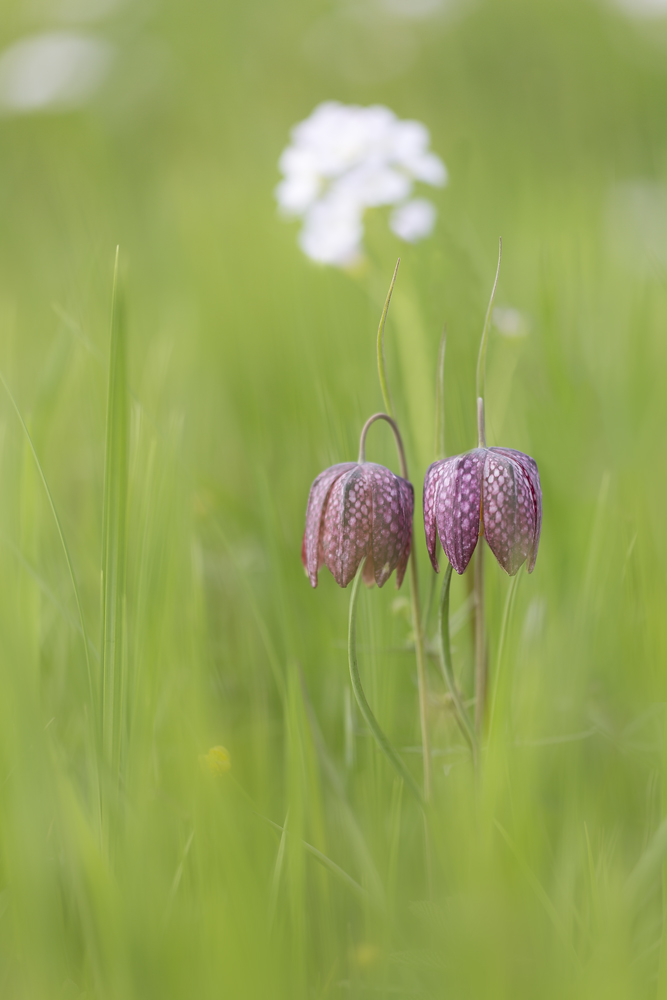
{"x":358,"y":510}
{"x":497,"y":489}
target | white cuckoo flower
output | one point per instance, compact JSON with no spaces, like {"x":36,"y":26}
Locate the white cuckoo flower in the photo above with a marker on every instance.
{"x":344,"y":159}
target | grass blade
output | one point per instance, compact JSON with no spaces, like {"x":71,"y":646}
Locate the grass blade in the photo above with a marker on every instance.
{"x":114,"y":540}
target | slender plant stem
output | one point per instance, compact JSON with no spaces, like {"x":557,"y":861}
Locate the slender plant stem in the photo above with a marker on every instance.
{"x":421,"y":673}
{"x":397,"y":437}
{"x":415,"y":604}
{"x":507,"y":614}
{"x":440,"y":398}
{"x":448,"y":669}
{"x":481,"y":659}
{"x":364,"y":707}
{"x":382,"y":366}
{"x":481,"y":358}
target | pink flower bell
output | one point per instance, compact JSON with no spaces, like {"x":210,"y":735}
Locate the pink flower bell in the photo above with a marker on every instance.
{"x":357,"y":510}
{"x":495,"y":489}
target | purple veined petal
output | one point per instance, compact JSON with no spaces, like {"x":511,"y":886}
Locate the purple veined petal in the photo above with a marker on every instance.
{"x":508,"y":511}
{"x":458,"y":506}
{"x":312,"y":554}
{"x":347,"y":525}
{"x":432,"y":481}
{"x":407,"y":496}
{"x":388,"y":529}
{"x":529,"y":466}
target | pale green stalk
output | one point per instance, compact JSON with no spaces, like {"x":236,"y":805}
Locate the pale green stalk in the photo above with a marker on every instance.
{"x":414,"y":577}
{"x":481,"y":659}
{"x":416,"y":608}
{"x":382,"y":366}
{"x":114,"y":544}
{"x":68,"y":558}
{"x":507,"y":614}
{"x":439,"y":439}
{"x":358,"y":690}
{"x":448,"y":669}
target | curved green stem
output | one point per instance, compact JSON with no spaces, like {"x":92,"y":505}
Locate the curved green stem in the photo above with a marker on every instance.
{"x":382,"y":367}
{"x":364,"y":707}
{"x":397,"y":437}
{"x":480,"y":381}
{"x":448,"y":669}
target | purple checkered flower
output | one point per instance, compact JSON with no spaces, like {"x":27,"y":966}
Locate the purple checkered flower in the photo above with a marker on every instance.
{"x":357,"y":510}
{"x":494,"y":490}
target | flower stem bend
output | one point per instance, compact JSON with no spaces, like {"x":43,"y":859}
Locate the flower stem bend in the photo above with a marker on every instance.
{"x":364,"y":707}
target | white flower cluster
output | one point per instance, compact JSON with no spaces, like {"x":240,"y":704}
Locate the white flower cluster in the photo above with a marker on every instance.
{"x":344,"y":159}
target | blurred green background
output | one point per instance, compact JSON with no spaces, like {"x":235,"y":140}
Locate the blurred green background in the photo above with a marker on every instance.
{"x":250,"y":369}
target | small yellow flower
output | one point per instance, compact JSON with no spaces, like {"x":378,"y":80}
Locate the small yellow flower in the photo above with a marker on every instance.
{"x":216,"y":761}
{"x":365,"y":956}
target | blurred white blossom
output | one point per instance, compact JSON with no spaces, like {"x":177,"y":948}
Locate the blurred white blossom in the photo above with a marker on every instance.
{"x":510,"y":322}
{"x":54,"y":71}
{"x":344,"y":159}
{"x":414,"y":220}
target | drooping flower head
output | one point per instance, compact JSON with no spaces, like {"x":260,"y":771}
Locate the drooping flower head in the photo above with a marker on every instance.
{"x":357,"y":510}
{"x":343,"y":159}
{"x":494,"y":489}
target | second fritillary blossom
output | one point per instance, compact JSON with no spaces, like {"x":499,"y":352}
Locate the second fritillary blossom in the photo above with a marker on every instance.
{"x":496,"y":489}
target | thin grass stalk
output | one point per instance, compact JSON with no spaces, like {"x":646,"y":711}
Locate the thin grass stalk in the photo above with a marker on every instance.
{"x":114,"y":543}
{"x":364,"y":707}
{"x":448,"y":669}
{"x":507,"y":615}
{"x":481,"y":656}
{"x":65,"y":548}
{"x":439,"y":437}
{"x":414,"y":602}
{"x":382,"y":366}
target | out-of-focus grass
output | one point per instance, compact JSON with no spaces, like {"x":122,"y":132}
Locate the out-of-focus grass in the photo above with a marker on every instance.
{"x":249,"y":371}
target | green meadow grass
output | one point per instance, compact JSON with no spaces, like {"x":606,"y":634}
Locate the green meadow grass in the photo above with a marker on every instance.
{"x":155,"y":461}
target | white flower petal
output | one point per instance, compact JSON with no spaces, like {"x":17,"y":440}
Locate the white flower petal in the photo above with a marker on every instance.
{"x":373,"y":184}
{"x":414,"y":220}
{"x":428,"y":168}
{"x":296,"y":194}
{"x":344,"y":159}
{"x":332,"y":233}
{"x":56,"y":71}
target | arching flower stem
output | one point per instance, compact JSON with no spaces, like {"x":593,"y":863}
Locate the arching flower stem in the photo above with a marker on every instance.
{"x":414,"y":592}
{"x":448,"y":669}
{"x":397,"y":437}
{"x":358,"y":690}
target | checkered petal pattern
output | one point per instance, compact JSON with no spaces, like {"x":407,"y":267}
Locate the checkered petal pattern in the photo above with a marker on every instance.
{"x":358,"y":511}
{"x":494,"y":488}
